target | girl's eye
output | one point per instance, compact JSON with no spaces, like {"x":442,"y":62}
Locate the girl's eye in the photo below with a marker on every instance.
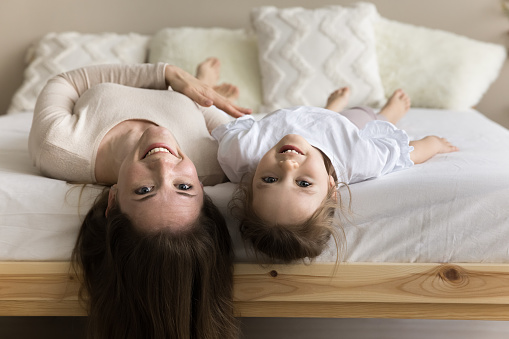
{"x":144,"y":190}
{"x":269,"y":180}
{"x":184,"y":187}
{"x":303,"y":183}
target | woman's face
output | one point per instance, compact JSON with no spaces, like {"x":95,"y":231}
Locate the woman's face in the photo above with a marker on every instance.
{"x":158,"y":185}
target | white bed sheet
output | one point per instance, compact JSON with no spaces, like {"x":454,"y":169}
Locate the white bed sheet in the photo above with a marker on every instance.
{"x":452,"y":208}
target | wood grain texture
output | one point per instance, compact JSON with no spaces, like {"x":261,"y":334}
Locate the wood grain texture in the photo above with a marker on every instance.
{"x":353,"y":290}
{"x":381,"y":282}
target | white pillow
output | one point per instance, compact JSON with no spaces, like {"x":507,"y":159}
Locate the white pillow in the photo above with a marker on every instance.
{"x":305,"y":54}
{"x":237,"y":50}
{"x":437,"y":69}
{"x":60,"y":52}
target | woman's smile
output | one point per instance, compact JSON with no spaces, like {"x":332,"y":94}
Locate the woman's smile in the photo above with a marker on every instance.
{"x":158,"y":148}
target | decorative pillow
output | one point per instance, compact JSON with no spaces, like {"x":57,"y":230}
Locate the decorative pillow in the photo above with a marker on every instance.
{"x":60,"y":52}
{"x":237,"y":50}
{"x":305,"y":54}
{"x":437,"y":69}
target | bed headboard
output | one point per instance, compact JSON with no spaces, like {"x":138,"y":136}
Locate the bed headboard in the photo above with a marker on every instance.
{"x":25,"y":21}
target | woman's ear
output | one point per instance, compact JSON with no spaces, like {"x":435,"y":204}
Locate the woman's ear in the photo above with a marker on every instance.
{"x":112,"y":195}
{"x":332,"y":184}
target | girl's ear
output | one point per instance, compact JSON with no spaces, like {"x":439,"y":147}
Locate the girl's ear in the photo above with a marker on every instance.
{"x":332,"y":184}
{"x":112,"y":195}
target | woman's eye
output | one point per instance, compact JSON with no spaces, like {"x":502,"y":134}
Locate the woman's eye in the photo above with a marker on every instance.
{"x":303,"y":183}
{"x":144,"y":190}
{"x":269,"y":180}
{"x":184,"y":187}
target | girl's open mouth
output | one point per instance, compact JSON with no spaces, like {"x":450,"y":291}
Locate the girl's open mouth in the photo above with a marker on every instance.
{"x":290,"y":149}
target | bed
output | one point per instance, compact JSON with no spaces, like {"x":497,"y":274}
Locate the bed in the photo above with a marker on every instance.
{"x":427,"y":242}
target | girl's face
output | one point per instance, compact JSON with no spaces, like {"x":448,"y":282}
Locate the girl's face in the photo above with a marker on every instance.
{"x":158,"y":185}
{"x":290,"y":182}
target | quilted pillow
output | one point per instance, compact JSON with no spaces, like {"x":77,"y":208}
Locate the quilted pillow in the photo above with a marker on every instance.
{"x":237,"y":50}
{"x":305,"y":54}
{"x":60,"y":52}
{"x":437,"y":69}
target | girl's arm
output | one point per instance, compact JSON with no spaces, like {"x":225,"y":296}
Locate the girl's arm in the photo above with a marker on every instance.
{"x":427,"y":147}
{"x":214,"y":117}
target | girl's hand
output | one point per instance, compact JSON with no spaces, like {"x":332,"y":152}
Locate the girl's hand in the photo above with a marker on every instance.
{"x":204,"y":95}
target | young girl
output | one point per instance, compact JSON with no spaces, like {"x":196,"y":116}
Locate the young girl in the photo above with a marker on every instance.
{"x":298,"y":156}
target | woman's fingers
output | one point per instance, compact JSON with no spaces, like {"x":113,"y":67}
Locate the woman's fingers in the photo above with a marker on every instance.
{"x":208,"y":96}
{"x":200,"y":92}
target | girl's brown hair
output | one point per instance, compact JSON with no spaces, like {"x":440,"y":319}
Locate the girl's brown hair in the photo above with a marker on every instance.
{"x":156,"y":285}
{"x":285,"y":243}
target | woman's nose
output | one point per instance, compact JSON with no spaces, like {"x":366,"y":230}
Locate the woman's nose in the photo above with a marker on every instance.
{"x":162,"y":164}
{"x":163,"y":159}
{"x":288,"y":165}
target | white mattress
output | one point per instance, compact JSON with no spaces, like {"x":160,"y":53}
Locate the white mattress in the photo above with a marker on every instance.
{"x":453,"y":208}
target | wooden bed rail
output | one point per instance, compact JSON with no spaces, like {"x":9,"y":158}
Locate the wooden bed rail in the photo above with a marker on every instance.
{"x":350,"y":290}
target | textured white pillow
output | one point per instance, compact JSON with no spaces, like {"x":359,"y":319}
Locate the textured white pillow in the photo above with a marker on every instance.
{"x":237,"y":50}
{"x":305,"y":54}
{"x":60,"y":52}
{"x":437,"y":69}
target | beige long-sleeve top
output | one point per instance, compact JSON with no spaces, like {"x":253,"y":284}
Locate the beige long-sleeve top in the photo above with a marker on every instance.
{"x":76,"y":109}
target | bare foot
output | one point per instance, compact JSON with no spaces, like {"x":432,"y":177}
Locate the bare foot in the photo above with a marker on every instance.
{"x":208,"y":71}
{"x":396,"y":107}
{"x":229,"y":91}
{"x":338,"y":99}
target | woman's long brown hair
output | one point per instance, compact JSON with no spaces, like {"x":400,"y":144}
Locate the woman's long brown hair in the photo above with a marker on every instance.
{"x":156,"y":285}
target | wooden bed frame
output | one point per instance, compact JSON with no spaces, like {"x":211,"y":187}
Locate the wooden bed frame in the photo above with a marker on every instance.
{"x":352,"y":290}
{"x":349,"y":290}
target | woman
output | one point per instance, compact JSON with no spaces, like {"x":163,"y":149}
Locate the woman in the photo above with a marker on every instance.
{"x":155,"y":252}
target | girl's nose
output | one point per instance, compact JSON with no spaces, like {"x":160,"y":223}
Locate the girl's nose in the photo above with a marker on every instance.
{"x":288,"y":165}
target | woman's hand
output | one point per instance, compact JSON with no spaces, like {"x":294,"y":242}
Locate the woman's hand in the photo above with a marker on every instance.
{"x":197,"y":90}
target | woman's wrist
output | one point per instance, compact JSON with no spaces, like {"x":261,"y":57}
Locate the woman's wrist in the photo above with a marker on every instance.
{"x":170,"y":72}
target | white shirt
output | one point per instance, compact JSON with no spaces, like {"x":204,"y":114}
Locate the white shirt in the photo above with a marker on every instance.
{"x":377,"y":149}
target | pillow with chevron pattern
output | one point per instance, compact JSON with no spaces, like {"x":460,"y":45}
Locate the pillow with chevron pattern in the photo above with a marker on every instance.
{"x":305,"y":54}
{"x":60,"y":52}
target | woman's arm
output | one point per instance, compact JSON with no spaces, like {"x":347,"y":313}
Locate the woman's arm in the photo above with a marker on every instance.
{"x":57,"y":99}
{"x":151,"y":76}
{"x":54,"y":117}
{"x":427,"y":147}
